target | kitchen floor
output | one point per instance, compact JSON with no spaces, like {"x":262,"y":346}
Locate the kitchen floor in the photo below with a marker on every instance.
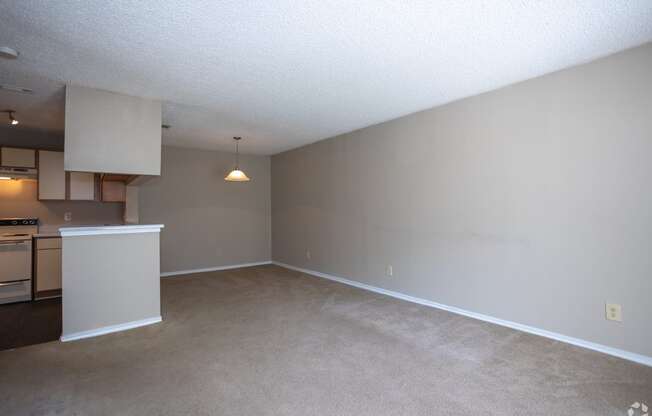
{"x":29,"y":323}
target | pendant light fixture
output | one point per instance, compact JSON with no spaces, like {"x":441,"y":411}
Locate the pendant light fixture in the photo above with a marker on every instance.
{"x":236,"y":175}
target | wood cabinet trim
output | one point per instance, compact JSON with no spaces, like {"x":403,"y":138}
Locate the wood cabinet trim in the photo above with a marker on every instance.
{"x":47,"y":294}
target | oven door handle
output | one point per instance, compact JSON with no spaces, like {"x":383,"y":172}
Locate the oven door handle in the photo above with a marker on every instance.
{"x":13,"y":243}
{"x":18,"y":282}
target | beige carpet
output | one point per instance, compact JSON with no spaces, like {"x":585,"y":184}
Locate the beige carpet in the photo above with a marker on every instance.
{"x":269,"y":341}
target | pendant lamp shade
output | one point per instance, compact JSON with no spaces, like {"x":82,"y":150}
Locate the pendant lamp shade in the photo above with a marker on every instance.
{"x":236,"y":175}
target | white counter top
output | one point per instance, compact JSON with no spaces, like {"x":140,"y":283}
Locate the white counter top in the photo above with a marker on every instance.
{"x":110,"y":229}
{"x":52,"y":230}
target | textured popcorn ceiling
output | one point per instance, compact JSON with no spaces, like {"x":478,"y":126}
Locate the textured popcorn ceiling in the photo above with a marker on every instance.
{"x":287,"y":73}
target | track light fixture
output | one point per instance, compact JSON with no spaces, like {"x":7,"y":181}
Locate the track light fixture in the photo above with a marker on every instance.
{"x":8,"y":53}
{"x":12,"y":119}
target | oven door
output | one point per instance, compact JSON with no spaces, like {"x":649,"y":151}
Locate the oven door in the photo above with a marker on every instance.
{"x":15,"y":260}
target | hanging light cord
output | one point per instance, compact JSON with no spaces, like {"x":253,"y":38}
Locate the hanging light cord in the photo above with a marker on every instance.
{"x":237,"y":154}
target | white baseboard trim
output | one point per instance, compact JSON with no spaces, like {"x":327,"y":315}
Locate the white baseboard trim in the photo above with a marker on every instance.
{"x":214,"y":269}
{"x":109,"y":329}
{"x":627,"y":355}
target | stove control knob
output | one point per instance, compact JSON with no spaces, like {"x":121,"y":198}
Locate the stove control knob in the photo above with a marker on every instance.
{"x":25,"y":222}
{"x":14,"y":222}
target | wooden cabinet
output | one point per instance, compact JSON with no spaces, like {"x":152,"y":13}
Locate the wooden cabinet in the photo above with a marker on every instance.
{"x":17,"y":158}
{"x":47,"y":268}
{"x":113,"y":191}
{"x":54,"y":183}
{"x":51,"y":176}
{"x":114,"y":187}
{"x":81,"y":186}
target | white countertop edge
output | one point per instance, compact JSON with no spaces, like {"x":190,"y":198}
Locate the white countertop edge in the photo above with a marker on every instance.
{"x":111,"y":229}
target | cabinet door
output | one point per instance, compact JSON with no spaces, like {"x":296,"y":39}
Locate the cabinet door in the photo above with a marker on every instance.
{"x":51,"y":176}
{"x":48,"y":270}
{"x":82,"y":186}
{"x":18,"y":158}
{"x":113,"y":191}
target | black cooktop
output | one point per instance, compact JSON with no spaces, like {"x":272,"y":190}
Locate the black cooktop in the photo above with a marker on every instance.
{"x":18,"y":221}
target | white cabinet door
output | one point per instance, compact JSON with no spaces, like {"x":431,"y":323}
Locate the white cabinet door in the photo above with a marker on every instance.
{"x":51,"y":176}
{"x":48,"y":269}
{"x":18,"y":158}
{"x":82,"y":186}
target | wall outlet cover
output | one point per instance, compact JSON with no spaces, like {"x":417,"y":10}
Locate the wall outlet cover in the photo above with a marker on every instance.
{"x":67,"y":216}
{"x":614,"y":312}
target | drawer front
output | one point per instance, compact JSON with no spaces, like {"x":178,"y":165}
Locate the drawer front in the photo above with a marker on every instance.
{"x":48,"y":243}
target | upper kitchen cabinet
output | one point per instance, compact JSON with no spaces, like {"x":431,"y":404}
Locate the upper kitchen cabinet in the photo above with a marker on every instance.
{"x":111,"y":133}
{"x":55,"y":184}
{"x":17,"y":158}
{"x":51,"y":176}
{"x":81,"y":186}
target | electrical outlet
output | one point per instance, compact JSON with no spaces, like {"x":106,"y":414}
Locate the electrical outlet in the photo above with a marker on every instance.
{"x":308,"y":255}
{"x":614,"y":312}
{"x":67,"y":216}
{"x":389,"y":270}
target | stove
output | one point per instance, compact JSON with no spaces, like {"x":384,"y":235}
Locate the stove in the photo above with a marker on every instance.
{"x":16,"y":258}
{"x":18,"y":221}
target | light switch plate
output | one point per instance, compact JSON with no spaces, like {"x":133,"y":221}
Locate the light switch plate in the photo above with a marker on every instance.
{"x":614,"y":312}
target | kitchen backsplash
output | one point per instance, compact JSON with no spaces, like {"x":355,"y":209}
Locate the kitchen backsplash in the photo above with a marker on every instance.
{"x":18,"y":199}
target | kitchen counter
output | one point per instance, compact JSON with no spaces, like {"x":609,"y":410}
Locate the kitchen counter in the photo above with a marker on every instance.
{"x":110,"y":229}
{"x":52,"y":230}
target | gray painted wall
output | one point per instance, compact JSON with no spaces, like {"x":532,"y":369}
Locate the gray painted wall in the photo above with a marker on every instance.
{"x":530,"y":203}
{"x":208,"y":222}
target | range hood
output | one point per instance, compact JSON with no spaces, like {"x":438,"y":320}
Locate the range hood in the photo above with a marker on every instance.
{"x":17,"y":173}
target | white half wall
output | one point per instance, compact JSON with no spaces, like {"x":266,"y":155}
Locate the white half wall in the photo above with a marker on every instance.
{"x":110,"y":281}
